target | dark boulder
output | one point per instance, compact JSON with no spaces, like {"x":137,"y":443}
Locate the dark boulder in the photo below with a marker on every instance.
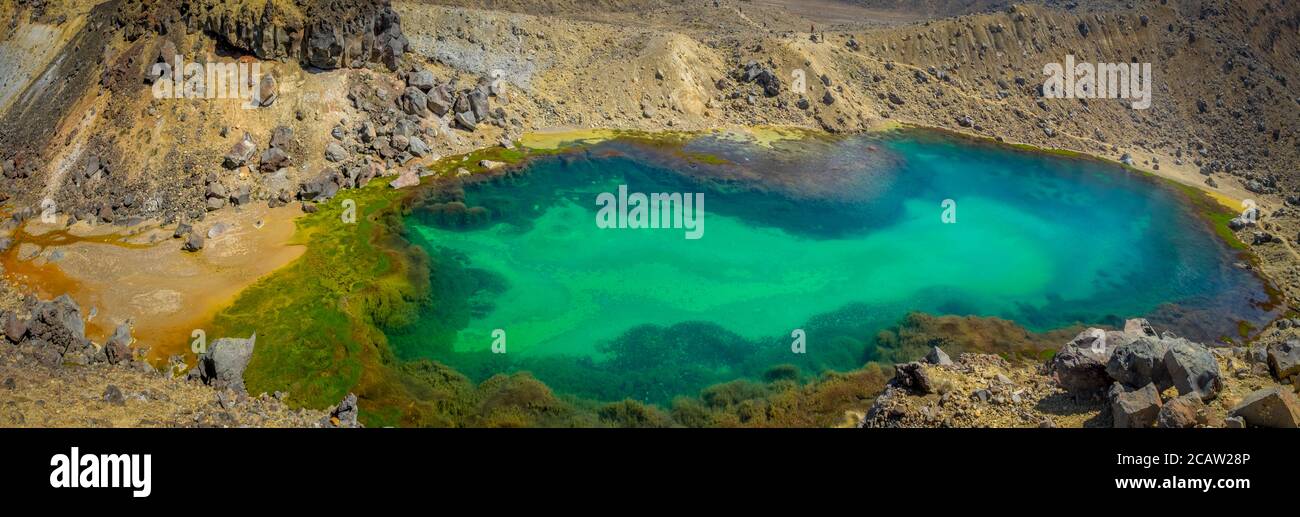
{"x":57,"y":326}
{"x":422,"y":79}
{"x":466,"y":120}
{"x":753,"y":72}
{"x":1140,"y":362}
{"x":912,"y":376}
{"x":1138,"y":327}
{"x":417,"y":147}
{"x":414,"y":102}
{"x":267,"y":91}
{"x":1080,"y":366}
{"x":113,"y":395}
{"x":321,"y":188}
{"x":242,"y":195}
{"x":479,"y":103}
{"x":182,"y":229}
{"x":216,"y":190}
{"x":1193,"y":369}
{"x":439,"y":100}
{"x":274,"y":159}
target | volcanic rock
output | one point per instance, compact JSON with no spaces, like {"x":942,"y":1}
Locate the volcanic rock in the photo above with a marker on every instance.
{"x":1270,"y":407}
{"x":1139,"y":363}
{"x":1193,"y":369}
{"x":240,"y":153}
{"x":1137,"y":408}
{"x":1284,"y":359}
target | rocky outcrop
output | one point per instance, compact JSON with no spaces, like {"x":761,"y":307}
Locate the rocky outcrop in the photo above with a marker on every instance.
{"x":324,"y":34}
{"x":755,"y":72}
{"x":1085,"y":385}
{"x":55,"y":335}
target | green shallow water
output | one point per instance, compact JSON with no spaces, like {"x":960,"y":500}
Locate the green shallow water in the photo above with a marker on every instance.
{"x":837,"y":237}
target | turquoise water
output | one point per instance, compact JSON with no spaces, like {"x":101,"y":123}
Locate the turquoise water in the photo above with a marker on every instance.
{"x":839,"y":238}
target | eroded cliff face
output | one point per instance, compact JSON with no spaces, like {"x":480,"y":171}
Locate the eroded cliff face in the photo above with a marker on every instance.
{"x":320,"y":33}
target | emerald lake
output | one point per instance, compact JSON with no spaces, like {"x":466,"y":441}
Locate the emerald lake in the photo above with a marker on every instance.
{"x":836,"y":237}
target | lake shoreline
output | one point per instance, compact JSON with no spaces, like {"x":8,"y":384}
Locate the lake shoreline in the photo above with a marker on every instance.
{"x":508,"y":160}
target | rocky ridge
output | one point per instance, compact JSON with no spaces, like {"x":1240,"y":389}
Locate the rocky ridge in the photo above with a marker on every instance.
{"x":1118,"y":378}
